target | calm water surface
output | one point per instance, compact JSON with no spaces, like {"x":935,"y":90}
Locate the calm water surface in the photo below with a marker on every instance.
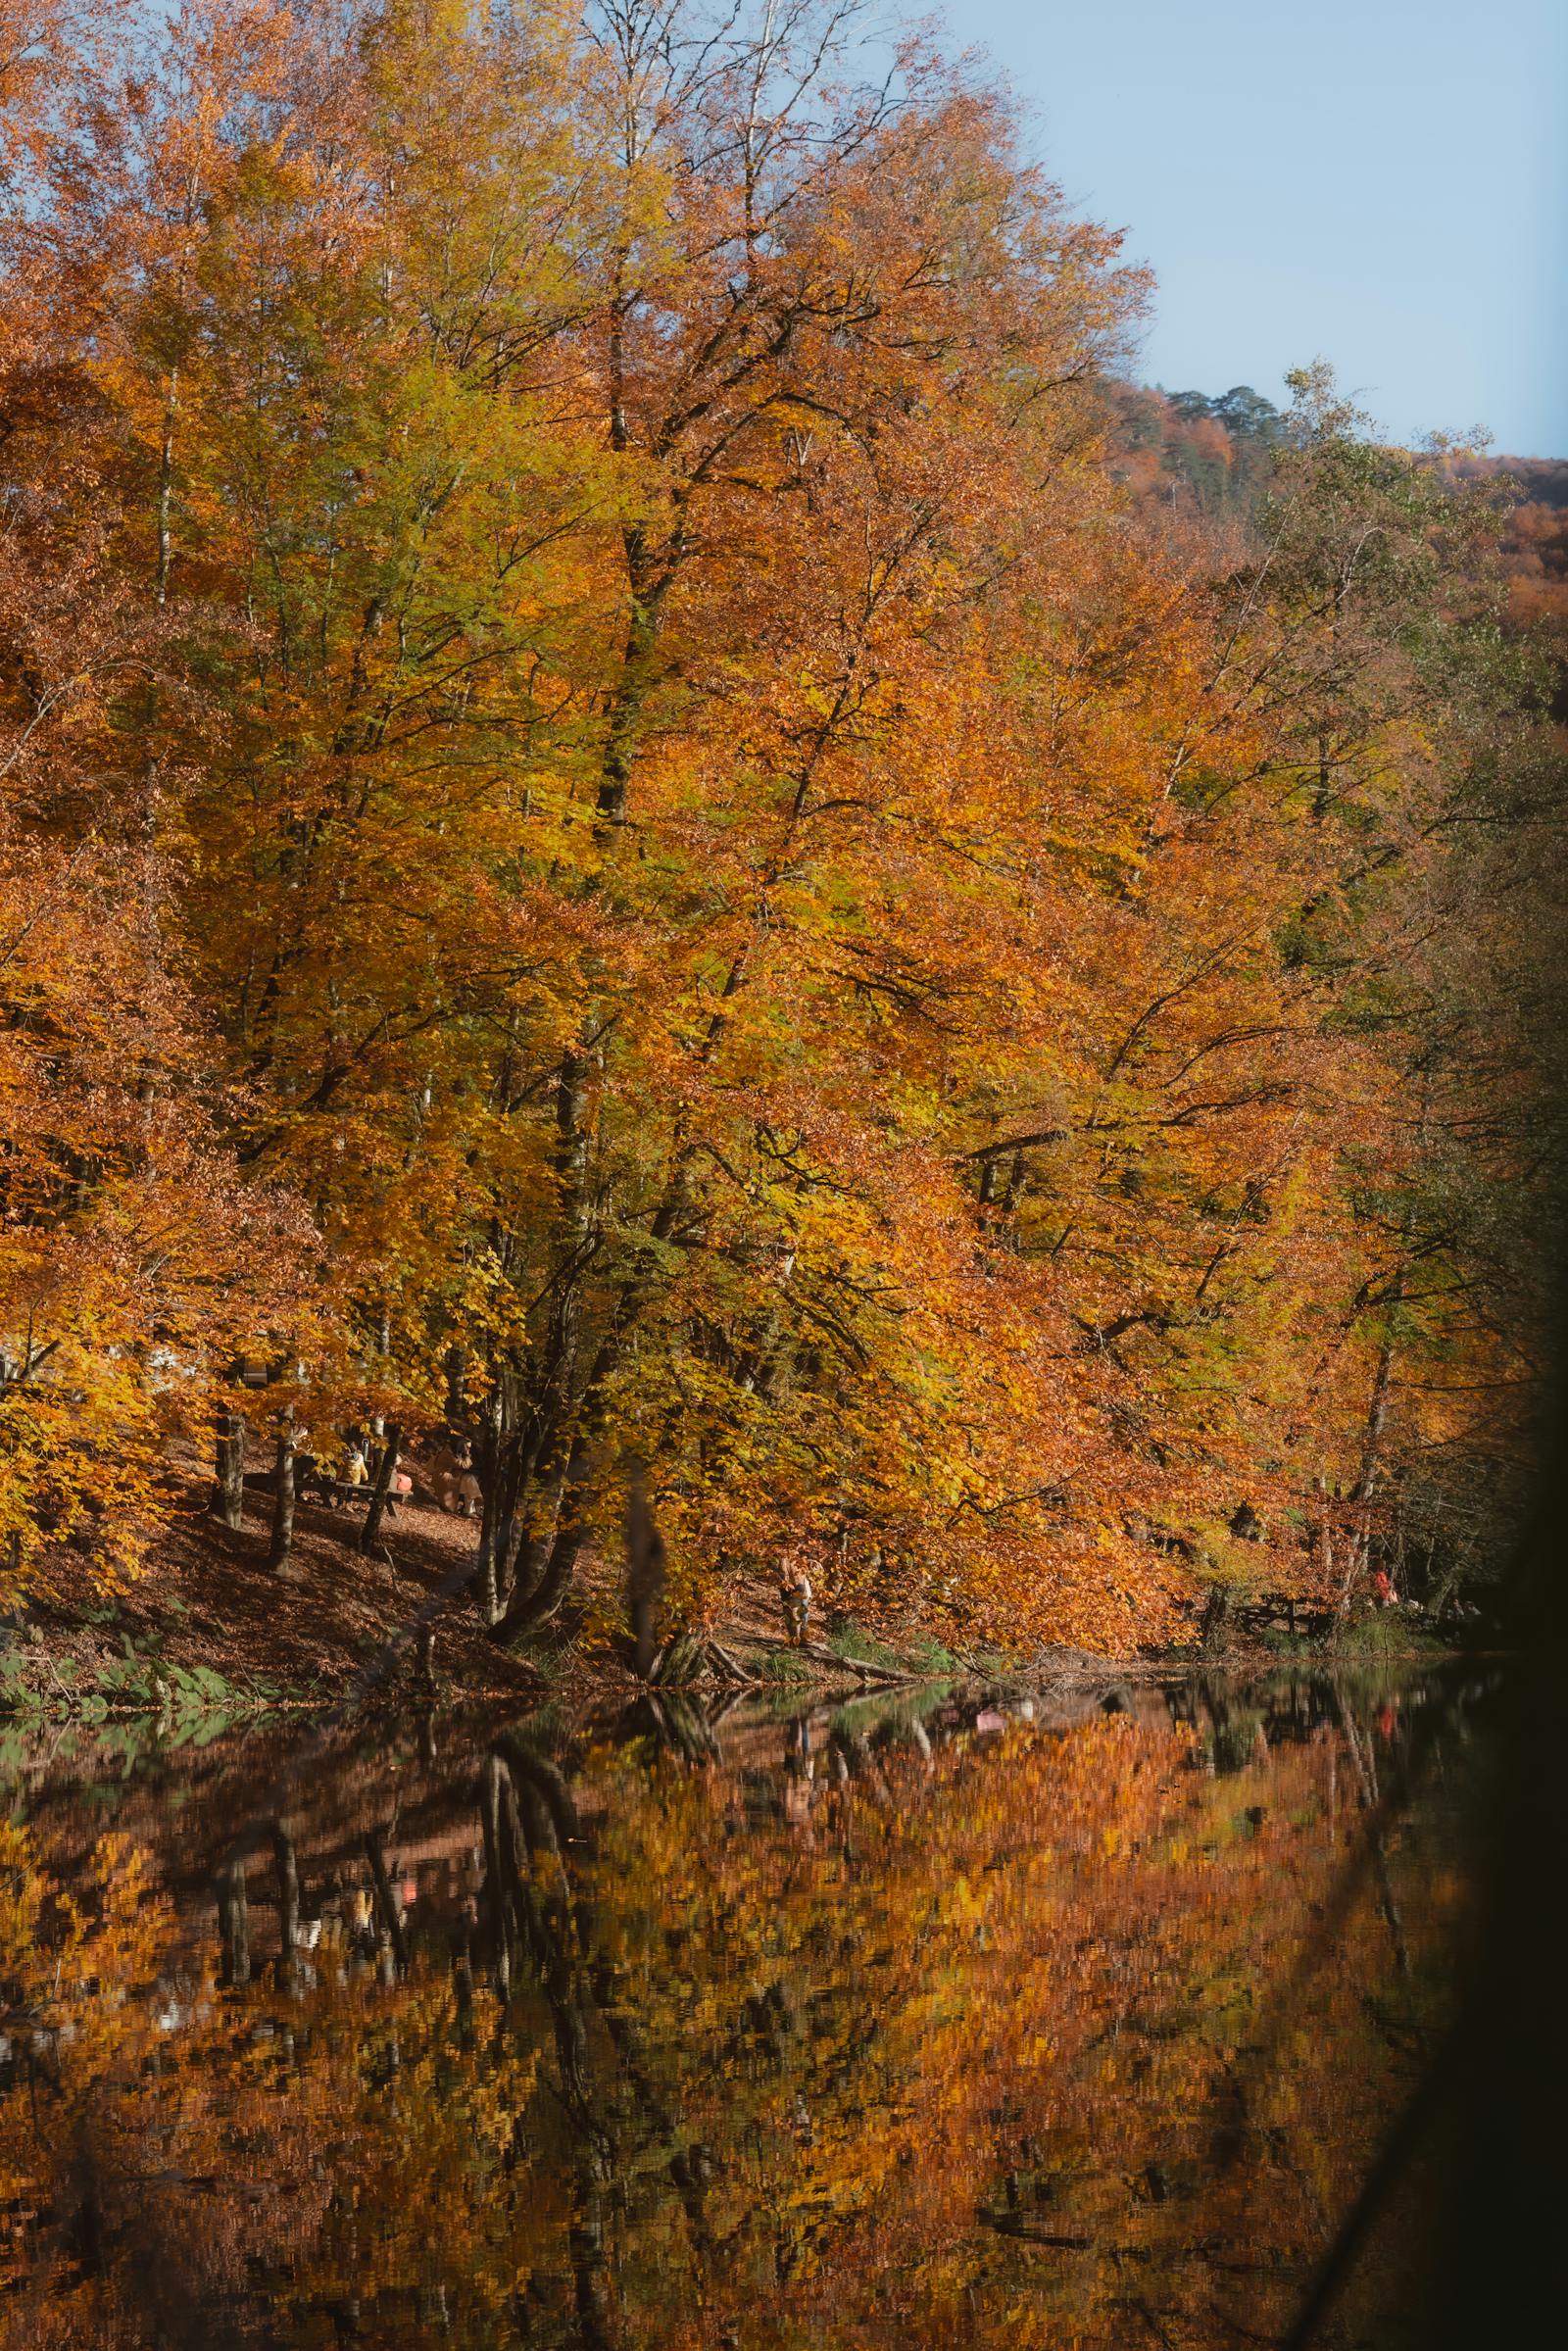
{"x":961,"y":2021}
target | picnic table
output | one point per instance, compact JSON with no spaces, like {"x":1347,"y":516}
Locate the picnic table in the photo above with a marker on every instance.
{"x":318,"y":1485}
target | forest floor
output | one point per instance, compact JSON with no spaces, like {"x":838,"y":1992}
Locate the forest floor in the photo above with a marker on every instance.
{"x":208,"y":1626}
{"x":208,"y":1621}
{"x":207,"y":1606}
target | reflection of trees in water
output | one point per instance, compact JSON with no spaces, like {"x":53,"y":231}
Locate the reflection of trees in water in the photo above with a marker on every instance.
{"x":894,"y":2021}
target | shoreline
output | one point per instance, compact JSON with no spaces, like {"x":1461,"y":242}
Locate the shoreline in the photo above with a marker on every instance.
{"x":38,"y":1688}
{"x":214,"y":1633}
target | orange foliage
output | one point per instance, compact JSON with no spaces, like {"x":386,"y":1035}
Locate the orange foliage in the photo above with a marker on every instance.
{"x":667,"y":793}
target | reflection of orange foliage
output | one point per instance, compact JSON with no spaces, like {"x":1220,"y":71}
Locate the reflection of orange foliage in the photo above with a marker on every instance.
{"x":964,"y":2063}
{"x":1007,"y":2013}
{"x":75,"y":1968}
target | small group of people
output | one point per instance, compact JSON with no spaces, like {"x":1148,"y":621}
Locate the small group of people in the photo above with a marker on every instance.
{"x":354,"y":1461}
{"x":351,"y":1463}
{"x":447,"y":1479}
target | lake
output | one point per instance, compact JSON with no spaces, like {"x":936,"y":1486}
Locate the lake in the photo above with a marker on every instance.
{"x":954,"y":2018}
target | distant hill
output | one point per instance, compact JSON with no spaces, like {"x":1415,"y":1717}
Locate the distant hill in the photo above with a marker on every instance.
{"x":1535,"y":547}
{"x":1215,"y":455}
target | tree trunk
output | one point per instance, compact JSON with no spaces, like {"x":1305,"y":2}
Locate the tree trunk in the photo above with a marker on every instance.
{"x":165,"y":485}
{"x":385,"y":1471}
{"x":229,"y":1486}
{"x":1217,"y":1618}
{"x":283,"y":1492}
{"x":543,"y":1575}
{"x":530,"y":1460}
{"x":487,"y":1467}
{"x":645,"y":1573}
{"x":486,"y":1588}
{"x":504,"y":1463}
{"x":1359,"y":1547}
{"x":650,"y":581}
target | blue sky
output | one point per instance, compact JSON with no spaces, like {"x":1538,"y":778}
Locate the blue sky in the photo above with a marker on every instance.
{"x":1376,"y":183}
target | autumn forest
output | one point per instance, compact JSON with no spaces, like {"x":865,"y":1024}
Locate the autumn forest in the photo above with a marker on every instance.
{"x":656,"y":822}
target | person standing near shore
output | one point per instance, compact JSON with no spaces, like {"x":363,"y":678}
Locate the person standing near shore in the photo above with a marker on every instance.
{"x":795,"y":1594}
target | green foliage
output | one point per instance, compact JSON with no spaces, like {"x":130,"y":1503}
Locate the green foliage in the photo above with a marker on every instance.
{"x":856,"y":1645}
{"x":1288,"y":1646}
{"x":929,"y":1655}
{"x":782,"y":1665}
{"x":1385,"y":1633}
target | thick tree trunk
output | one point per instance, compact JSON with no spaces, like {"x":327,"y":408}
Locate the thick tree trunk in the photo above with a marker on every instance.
{"x":282,"y":1543}
{"x":387,"y":1470}
{"x":487,"y":1466}
{"x":1322,"y":1537}
{"x":504,"y":1463}
{"x":546,"y":1452}
{"x":650,"y":581}
{"x":544,"y":1573}
{"x":229,"y":1484}
{"x":645,"y":1573}
{"x":486,"y":1587}
{"x":534,"y":1606}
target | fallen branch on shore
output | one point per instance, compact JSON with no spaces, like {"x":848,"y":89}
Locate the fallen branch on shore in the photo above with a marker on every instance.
{"x":688,"y":1658}
{"x":860,"y":1667}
